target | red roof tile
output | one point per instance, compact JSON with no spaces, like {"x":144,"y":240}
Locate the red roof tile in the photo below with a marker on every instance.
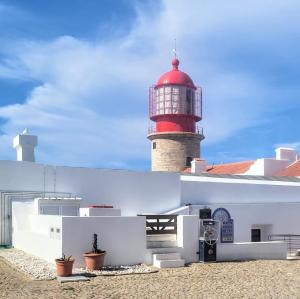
{"x":292,"y":170}
{"x":187,"y":170}
{"x":230,"y":168}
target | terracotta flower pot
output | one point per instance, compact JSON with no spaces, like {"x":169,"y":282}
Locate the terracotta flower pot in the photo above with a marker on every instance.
{"x":64,"y":267}
{"x":94,"y":261}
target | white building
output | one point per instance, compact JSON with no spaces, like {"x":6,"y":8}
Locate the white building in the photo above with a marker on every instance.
{"x":40,"y":211}
{"x":50,"y":210}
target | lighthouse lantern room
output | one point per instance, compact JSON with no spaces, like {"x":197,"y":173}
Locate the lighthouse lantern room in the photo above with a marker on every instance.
{"x":175,"y":106}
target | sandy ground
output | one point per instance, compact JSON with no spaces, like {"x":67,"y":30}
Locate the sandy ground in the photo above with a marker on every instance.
{"x":254,"y":279}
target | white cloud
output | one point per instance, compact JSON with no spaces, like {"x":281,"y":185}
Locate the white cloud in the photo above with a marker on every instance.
{"x":90,"y":107}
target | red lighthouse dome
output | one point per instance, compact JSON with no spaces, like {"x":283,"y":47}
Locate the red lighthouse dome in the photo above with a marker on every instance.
{"x":175,"y":106}
{"x":175,"y":77}
{"x":175,"y":102}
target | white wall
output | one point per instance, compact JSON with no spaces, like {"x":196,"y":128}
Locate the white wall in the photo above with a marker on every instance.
{"x":252,"y":251}
{"x":272,"y":218}
{"x":84,"y":212}
{"x":17,"y":175}
{"x":124,"y":238}
{"x":133,"y":192}
{"x":210,"y":190}
{"x":188,"y":237}
{"x":31,"y":233}
{"x":267,"y":167}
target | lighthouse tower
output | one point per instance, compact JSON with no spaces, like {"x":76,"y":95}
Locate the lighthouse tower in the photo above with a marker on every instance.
{"x":175,"y":106}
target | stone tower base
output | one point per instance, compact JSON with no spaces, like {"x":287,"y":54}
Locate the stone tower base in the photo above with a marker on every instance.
{"x":173,"y":151}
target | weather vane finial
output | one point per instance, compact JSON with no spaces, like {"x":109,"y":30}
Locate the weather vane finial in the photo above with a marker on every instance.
{"x":175,"y":48}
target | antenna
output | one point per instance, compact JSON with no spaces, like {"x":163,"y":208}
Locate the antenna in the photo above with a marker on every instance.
{"x":175,"y":49}
{"x":25,"y":131}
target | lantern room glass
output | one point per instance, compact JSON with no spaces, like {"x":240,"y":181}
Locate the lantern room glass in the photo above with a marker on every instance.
{"x":171,"y":99}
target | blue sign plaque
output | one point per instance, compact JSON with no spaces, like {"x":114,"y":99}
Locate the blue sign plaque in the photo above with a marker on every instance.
{"x":227,"y":231}
{"x":226,"y":225}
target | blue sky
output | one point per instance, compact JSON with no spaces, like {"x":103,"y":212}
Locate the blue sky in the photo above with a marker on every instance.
{"x":76,"y":73}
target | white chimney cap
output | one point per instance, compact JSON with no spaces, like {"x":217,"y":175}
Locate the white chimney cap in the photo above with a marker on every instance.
{"x":285,"y":153}
{"x":198,"y":166}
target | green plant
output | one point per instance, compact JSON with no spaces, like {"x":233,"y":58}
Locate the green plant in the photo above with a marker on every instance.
{"x":95,"y":245}
{"x":64,"y":258}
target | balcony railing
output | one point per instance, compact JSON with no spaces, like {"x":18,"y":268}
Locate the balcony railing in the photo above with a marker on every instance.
{"x":198,"y":130}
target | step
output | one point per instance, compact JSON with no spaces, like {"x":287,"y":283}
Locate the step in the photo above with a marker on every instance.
{"x":161,"y":244}
{"x":295,"y":257}
{"x":165,"y":250}
{"x":165,"y":237}
{"x":169,"y":263}
{"x":166,"y":256}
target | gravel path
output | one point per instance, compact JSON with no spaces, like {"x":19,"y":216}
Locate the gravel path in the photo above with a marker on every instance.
{"x":39,"y":269}
{"x":253,"y":279}
{"x":31,"y":265}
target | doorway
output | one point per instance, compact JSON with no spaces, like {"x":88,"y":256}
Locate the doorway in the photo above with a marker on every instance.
{"x":255,"y":235}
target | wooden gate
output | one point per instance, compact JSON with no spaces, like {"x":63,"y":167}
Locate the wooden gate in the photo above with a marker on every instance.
{"x":161,"y":224}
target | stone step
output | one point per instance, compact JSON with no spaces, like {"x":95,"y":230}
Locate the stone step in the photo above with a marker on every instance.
{"x":161,"y":244}
{"x":166,"y":256}
{"x":169,"y":263}
{"x":291,"y":257}
{"x":165,"y":250}
{"x":165,"y":237}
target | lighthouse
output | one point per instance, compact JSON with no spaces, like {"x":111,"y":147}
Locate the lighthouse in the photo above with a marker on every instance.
{"x":175,"y":107}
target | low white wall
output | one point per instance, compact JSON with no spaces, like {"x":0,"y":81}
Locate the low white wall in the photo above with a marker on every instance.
{"x":83,"y":212}
{"x":251,"y":250}
{"x":123,"y":238}
{"x":188,"y":237}
{"x":32,"y":233}
{"x":268,"y":166}
{"x":38,"y":245}
{"x":179,"y":211}
{"x":272,"y":218}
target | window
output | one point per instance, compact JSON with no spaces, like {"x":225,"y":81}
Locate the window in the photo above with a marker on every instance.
{"x":190,"y":101}
{"x":255,"y":235}
{"x":69,"y":210}
{"x":189,"y":161}
{"x":49,"y":210}
{"x":154,"y":145}
{"x":66,"y":210}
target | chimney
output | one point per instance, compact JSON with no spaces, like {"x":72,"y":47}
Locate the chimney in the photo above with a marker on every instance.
{"x":24,"y":145}
{"x":287,"y":154}
{"x":198,"y":166}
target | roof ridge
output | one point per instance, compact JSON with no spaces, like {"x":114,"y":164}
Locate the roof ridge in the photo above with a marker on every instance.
{"x":298,"y":160}
{"x":247,"y":161}
{"x":291,"y":170}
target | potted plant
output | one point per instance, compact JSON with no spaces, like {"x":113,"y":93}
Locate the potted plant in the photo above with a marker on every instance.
{"x":94,"y":260}
{"x":64,"y":266}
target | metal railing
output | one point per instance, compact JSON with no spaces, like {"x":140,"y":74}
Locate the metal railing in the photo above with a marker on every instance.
{"x":198,"y":130}
{"x":6,"y":198}
{"x":161,"y":224}
{"x":293,"y":241}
